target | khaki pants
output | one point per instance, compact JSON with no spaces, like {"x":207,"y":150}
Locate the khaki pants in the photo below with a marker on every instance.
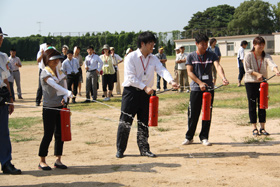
{"x":176,"y":77}
{"x":183,"y":79}
{"x":117,"y":84}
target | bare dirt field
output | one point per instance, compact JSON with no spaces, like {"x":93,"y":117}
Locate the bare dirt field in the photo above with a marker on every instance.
{"x":91,"y":159}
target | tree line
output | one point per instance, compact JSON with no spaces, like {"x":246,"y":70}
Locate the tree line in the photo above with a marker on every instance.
{"x":27,"y":47}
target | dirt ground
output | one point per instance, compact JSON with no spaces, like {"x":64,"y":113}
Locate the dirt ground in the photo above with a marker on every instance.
{"x":91,"y":159}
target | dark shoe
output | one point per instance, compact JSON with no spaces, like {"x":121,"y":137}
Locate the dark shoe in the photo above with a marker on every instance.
{"x":19,"y":97}
{"x":74,"y":101}
{"x":60,"y":166}
{"x":86,"y":101}
{"x":46,"y":168}
{"x":148,"y":154}
{"x":9,"y":168}
{"x":112,"y":95}
{"x":103,"y":95}
{"x":263,"y":132}
{"x":37,"y":104}
{"x":255,"y":132}
{"x":119,"y":154}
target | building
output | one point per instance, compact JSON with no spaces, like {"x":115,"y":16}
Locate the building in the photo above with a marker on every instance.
{"x":229,"y":45}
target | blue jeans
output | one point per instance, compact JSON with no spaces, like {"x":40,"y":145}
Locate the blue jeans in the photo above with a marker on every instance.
{"x":5,"y":143}
{"x":158,"y":82}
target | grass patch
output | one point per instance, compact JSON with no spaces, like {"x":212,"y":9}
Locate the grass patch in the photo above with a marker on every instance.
{"x":161,"y":129}
{"x":23,"y":139}
{"x":92,"y":142}
{"x":115,"y":168}
{"x":256,"y":140}
{"x":22,"y":122}
{"x":273,"y":113}
{"x":29,"y":63}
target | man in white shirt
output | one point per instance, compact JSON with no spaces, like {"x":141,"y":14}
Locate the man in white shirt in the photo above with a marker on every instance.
{"x":182,"y":70}
{"x":116,"y":60}
{"x":139,"y":68}
{"x":16,"y":64}
{"x":70,"y":67}
{"x":240,"y":58}
{"x":93,"y":65}
{"x":5,"y":110}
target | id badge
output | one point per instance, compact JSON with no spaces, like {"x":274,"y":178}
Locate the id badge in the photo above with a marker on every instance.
{"x":106,"y":65}
{"x":205,"y":77}
{"x":145,"y":77}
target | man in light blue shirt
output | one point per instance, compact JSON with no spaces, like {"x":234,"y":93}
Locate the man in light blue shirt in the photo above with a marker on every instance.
{"x":93,"y":65}
{"x":70,"y":67}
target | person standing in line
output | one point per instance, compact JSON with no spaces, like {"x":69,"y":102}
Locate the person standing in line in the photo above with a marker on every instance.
{"x":215,"y":49}
{"x":41,"y":66}
{"x":240,"y":58}
{"x":77,"y":55}
{"x":176,"y":77}
{"x":139,"y":68}
{"x":55,"y":97}
{"x":199,"y":65}
{"x":16,"y":63}
{"x":11,"y":80}
{"x":162,"y":58}
{"x":182,"y":70}
{"x":93,"y":65}
{"x":128,"y":50}
{"x":5,"y":110}
{"x":70,"y":67}
{"x":116,"y":61}
{"x":255,"y":64}
{"x":108,"y":72}
{"x":65,"y":48}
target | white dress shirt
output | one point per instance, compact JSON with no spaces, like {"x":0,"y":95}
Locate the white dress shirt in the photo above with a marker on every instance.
{"x":70,"y":66}
{"x":93,"y":62}
{"x":4,"y":72}
{"x":181,"y":56}
{"x":13,"y":62}
{"x":240,"y":55}
{"x":134,"y":70}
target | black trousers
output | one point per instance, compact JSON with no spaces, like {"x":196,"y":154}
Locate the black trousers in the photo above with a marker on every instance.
{"x":52,"y":126}
{"x":241,"y":70}
{"x":73,"y":79}
{"x":193,"y":116}
{"x":253,"y":95}
{"x":108,"y":80}
{"x":39,"y":90}
{"x":134,"y":102}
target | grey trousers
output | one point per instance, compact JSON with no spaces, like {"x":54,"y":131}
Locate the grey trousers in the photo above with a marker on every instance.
{"x":91,"y":84}
{"x":16,"y":75}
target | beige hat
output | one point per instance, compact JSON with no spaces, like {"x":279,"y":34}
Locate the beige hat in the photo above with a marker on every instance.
{"x":112,"y":48}
{"x":106,"y":46}
{"x":177,"y":48}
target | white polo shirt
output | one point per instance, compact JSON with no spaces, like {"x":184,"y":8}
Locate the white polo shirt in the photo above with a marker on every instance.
{"x":135,"y":64}
{"x":181,"y":56}
{"x":4,"y":72}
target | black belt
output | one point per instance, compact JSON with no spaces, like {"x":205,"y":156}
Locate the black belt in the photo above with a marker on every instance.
{"x":137,"y":89}
{"x":15,"y":70}
{"x":91,"y":70}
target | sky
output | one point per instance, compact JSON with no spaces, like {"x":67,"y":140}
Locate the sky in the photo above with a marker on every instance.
{"x":28,"y":17}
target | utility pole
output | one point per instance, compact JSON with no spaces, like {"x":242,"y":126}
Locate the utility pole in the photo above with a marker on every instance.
{"x":38,"y":22}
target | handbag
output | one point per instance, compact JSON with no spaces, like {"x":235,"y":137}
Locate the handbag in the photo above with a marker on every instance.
{"x":4,"y":95}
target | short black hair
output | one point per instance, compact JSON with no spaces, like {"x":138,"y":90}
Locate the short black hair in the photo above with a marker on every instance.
{"x":49,"y":43}
{"x":13,"y":49}
{"x":145,"y":37}
{"x":244,"y":42}
{"x":90,"y":47}
{"x":69,"y":52}
{"x":78,"y":47}
{"x":201,"y":37}
{"x":212,"y":40}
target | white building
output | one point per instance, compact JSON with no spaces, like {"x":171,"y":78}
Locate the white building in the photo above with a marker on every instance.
{"x":277,"y":43}
{"x":229,"y":45}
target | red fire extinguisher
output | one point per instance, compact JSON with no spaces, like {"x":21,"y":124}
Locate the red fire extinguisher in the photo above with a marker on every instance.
{"x":206,"y":106}
{"x":264,"y":95}
{"x":65,"y":124}
{"x":153,"y":110}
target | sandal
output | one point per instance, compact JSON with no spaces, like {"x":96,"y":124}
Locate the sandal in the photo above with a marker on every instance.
{"x":255,"y":132}
{"x":263,"y":132}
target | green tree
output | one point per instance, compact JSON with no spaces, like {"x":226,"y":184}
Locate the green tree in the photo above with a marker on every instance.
{"x":209,"y":21}
{"x":253,"y":17}
{"x":276,"y":11}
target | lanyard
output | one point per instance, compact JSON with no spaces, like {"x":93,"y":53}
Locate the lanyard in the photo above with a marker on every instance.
{"x":146,"y":65}
{"x":204,"y":57}
{"x":259,"y":68}
{"x":106,"y":60}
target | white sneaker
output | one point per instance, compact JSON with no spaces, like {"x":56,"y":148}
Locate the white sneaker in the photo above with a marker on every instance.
{"x":158,"y":90}
{"x":187,"y":142}
{"x":107,"y":99}
{"x":188,"y":91}
{"x":205,"y":142}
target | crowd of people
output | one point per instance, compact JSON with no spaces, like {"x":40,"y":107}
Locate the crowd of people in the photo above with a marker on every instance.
{"x":60,"y":78}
